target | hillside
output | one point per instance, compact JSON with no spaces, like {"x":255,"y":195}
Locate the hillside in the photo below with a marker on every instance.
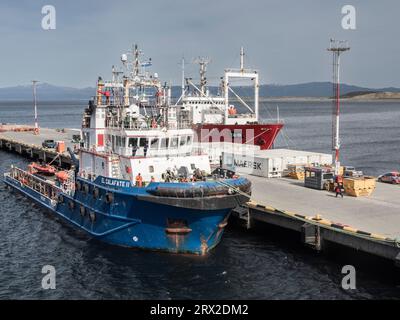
{"x":47,"y":91}
{"x":365,"y":95}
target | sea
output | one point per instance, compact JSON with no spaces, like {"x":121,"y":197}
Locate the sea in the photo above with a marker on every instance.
{"x":261,"y":263}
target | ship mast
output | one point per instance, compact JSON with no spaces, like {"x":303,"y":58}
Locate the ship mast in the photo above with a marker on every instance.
{"x":116,"y":92}
{"x":203,"y":62}
{"x":136,"y":60}
{"x":183,"y":77}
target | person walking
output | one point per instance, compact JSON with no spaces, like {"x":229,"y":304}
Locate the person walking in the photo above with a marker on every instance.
{"x":338,"y":190}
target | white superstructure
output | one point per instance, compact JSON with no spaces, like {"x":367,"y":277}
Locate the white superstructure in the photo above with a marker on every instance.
{"x":218,"y":109}
{"x":130,"y":128}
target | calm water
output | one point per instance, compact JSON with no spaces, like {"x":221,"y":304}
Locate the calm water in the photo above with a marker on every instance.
{"x":263,"y":264}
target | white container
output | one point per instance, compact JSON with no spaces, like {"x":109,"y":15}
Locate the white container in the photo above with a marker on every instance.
{"x":271,"y":163}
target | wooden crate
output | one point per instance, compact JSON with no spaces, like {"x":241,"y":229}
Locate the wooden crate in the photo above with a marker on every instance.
{"x":356,"y":187}
{"x":296,"y":171}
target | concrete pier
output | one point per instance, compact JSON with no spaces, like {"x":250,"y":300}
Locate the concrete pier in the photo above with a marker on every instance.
{"x":370,"y":224}
{"x":30,"y":145}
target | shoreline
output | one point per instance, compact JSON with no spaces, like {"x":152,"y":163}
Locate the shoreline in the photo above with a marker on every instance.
{"x":282,"y":99}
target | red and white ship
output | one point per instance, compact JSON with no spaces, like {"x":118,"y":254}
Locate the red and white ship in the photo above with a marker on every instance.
{"x":216,"y":119}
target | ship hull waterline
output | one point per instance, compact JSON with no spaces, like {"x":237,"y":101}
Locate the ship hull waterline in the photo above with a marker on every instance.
{"x":146,"y":229}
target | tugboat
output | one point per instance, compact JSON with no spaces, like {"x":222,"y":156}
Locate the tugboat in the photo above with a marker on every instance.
{"x":138,"y":182}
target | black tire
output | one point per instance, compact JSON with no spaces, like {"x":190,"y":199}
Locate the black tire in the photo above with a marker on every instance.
{"x":92,"y":216}
{"x":82,"y":211}
{"x":109,"y":197}
{"x":96,"y":193}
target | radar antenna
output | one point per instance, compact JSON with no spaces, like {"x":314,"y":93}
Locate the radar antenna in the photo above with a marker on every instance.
{"x":203,"y":62}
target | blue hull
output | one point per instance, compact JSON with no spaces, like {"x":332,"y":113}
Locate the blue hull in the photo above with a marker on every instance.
{"x":133,"y":218}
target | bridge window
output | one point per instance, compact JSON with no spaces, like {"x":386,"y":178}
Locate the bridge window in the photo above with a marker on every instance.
{"x":143,"y":142}
{"x":154,"y":143}
{"x":183,"y":141}
{"x":174,"y":142}
{"x":118,"y":142}
{"x":164,"y":143}
{"x":133,"y":142}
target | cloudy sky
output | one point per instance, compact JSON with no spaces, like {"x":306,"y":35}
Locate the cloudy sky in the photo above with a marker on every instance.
{"x":285,"y":39}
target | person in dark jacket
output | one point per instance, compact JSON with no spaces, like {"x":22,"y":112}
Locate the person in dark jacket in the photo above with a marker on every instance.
{"x":339,"y":190}
{"x":145,"y":148}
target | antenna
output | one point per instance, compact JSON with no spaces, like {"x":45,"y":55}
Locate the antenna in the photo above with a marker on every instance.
{"x":337,"y":47}
{"x":36,"y":130}
{"x":115,"y":74}
{"x":136,"y":60}
{"x":183,"y":76}
{"x":203,"y":62}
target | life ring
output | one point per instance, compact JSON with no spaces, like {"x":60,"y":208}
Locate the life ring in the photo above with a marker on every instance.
{"x":71,"y":205}
{"x":60,"y":198}
{"x":78,"y":186}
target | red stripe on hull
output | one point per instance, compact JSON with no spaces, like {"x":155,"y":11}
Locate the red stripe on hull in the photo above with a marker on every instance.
{"x":262,"y":135}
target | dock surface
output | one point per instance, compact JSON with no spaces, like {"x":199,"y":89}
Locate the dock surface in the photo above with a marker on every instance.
{"x":28,"y":137}
{"x":378,"y":213}
{"x":28,"y":144}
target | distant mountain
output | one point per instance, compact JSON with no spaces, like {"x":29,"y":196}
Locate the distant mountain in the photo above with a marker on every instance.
{"x":313,"y":89}
{"x":47,"y":91}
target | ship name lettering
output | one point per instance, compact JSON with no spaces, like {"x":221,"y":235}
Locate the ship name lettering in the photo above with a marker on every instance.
{"x":247,"y":164}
